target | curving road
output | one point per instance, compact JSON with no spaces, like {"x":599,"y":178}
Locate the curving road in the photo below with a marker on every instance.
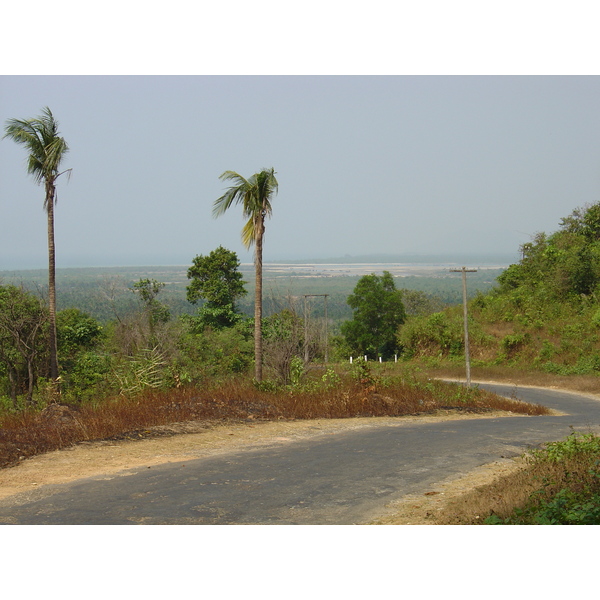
{"x":344,"y":478}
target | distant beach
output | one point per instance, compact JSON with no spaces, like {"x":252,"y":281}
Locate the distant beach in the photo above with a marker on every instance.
{"x":359,"y":269}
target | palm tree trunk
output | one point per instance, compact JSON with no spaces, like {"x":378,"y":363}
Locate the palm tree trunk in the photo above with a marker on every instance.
{"x":258,"y":301}
{"x":52,"y":285}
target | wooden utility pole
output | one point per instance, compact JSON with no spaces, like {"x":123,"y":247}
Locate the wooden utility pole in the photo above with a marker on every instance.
{"x":306,"y":326}
{"x":464,"y":272}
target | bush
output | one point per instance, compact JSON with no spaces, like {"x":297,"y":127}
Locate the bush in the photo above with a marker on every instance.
{"x":512,"y":343}
{"x":86,"y":377}
{"x":378,"y":311}
{"x":570,"y":485}
{"x":438,"y":334}
{"x":213,"y":353}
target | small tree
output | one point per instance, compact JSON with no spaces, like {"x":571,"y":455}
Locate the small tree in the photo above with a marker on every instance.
{"x":378,"y":312}
{"x":83,"y":361}
{"x":23,"y":337}
{"x":76,"y":331}
{"x":283,"y":342}
{"x":148,"y":290}
{"x":216,"y":280}
{"x":156,"y":313}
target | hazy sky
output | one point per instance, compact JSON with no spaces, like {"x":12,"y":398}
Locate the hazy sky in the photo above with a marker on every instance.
{"x":365,"y":164}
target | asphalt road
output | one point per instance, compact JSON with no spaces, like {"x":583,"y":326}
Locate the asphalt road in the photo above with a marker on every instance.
{"x":345,"y":478}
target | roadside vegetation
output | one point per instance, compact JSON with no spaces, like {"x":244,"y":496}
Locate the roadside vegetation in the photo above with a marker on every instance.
{"x":558,"y":484}
{"x":539,"y":326}
{"x":357,"y":391}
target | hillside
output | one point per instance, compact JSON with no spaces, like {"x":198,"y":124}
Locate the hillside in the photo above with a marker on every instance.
{"x":544,"y":313}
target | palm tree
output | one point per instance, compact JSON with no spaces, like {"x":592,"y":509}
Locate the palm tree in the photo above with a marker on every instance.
{"x":46,"y":151}
{"x":254,"y":194}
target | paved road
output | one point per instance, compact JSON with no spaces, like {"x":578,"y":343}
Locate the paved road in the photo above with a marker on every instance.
{"x":345,"y":478}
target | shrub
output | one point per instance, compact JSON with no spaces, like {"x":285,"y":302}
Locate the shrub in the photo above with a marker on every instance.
{"x":439,"y":334}
{"x":512,"y":343}
{"x":569,"y":472}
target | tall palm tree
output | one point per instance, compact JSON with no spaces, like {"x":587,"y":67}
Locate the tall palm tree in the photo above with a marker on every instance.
{"x":46,"y":150}
{"x":254,"y":194}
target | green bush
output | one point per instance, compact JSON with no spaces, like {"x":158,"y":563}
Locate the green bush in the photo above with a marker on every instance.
{"x":438,"y":334}
{"x":87,"y":377}
{"x":512,"y":343}
{"x":570,"y":492}
{"x":214,"y":353}
{"x":585,"y":365}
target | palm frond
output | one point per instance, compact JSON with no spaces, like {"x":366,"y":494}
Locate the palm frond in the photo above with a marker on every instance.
{"x":55,"y":152}
{"x":222,"y":204}
{"x":40,"y":137}
{"x":267,"y":186}
{"x":228,"y":175}
{"x":232,"y":195}
{"x":248,"y":234}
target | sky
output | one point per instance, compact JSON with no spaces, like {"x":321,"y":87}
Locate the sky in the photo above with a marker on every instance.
{"x":418,"y":129}
{"x":365,"y":164}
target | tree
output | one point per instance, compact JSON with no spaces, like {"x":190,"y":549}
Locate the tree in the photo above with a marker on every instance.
{"x":84,"y":363}
{"x":419,"y":303}
{"x":148,"y":290}
{"x":585,"y":221}
{"x":215,"y":278}
{"x":378,"y":312}
{"x":46,"y":150}
{"x":254,"y":194}
{"x":563,"y":265}
{"x":77,"y":331}
{"x":22,"y":339}
{"x":284,"y":342}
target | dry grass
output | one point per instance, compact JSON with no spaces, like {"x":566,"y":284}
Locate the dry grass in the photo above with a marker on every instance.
{"x":536,"y":482}
{"x":59,"y":426}
{"x":500,"y":497}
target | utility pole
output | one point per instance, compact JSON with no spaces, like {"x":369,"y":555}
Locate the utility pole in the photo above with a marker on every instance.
{"x":325,"y":296}
{"x":464,"y":272}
